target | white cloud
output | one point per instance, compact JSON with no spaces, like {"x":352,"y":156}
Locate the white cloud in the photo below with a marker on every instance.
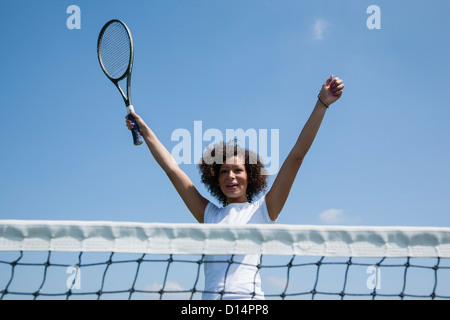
{"x":335,"y":216}
{"x":170,"y":286}
{"x":276,"y":282}
{"x":319,"y":29}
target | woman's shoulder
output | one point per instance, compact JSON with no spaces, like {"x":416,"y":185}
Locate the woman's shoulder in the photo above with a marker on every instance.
{"x":211,"y":211}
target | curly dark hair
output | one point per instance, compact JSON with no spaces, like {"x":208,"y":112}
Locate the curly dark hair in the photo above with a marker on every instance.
{"x":215,"y":156}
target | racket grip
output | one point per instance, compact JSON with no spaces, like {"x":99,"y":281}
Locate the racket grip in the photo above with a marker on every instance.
{"x":137,"y":138}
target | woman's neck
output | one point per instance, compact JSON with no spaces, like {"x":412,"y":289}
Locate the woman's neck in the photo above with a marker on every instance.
{"x":237,"y":200}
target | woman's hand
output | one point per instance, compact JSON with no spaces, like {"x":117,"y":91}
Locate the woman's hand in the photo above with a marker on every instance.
{"x":140,"y":122}
{"x":331,"y":90}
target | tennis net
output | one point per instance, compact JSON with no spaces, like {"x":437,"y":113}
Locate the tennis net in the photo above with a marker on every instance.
{"x":124,"y":260}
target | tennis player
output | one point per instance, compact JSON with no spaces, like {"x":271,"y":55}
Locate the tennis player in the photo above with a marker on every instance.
{"x":236,"y":180}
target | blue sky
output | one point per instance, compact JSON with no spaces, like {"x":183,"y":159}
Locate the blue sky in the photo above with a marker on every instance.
{"x":380,"y":158}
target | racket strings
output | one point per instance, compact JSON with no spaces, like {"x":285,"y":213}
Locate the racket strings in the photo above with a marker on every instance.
{"x":115,"y":50}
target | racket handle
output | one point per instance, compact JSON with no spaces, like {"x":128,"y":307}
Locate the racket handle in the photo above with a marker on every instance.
{"x":137,"y":138}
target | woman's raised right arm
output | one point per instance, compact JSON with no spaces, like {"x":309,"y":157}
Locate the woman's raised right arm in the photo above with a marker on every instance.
{"x":195,"y":202}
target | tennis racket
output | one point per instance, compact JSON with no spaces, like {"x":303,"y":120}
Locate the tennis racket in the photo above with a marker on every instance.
{"x":115,"y":54}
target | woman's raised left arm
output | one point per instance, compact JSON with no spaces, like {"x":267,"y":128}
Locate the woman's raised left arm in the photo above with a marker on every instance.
{"x":276,"y":198}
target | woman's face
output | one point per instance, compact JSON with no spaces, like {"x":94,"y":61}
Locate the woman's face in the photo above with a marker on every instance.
{"x":233,"y":180}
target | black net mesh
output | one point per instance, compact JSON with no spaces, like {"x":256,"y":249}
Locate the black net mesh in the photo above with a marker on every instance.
{"x":65,"y":275}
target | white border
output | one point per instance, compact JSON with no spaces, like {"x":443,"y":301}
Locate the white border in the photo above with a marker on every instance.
{"x":163,"y":238}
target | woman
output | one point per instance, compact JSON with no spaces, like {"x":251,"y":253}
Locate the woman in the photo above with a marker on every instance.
{"x":235,"y":181}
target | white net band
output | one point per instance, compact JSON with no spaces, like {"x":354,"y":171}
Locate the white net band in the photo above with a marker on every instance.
{"x":161,"y":238}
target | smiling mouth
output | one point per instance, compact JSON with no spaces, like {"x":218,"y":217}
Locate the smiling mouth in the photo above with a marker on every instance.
{"x":232,"y":187}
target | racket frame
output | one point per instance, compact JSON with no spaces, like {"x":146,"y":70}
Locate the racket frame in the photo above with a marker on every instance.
{"x":127,"y":74}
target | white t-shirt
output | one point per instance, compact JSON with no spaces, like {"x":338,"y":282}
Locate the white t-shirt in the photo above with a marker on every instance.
{"x":240,"y":279}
